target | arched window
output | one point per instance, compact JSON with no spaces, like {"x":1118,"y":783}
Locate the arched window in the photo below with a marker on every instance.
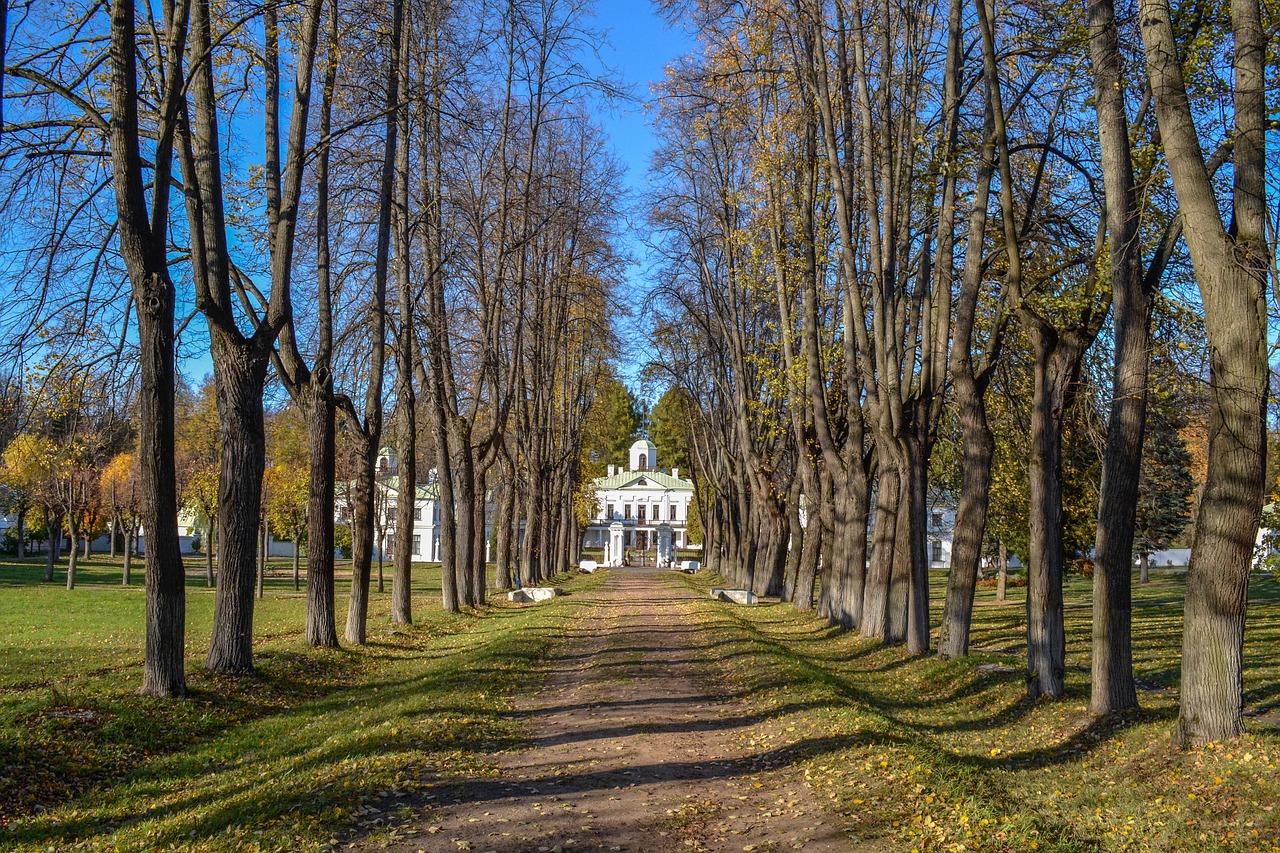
{"x":644,"y":461}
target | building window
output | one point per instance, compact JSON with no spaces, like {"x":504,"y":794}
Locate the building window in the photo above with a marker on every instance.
{"x":626,"y":511}
{"x":643,"y":510}
{"x":674,"y":514}
{"x":937,"y":518}
{"x":608,"y":512}
{"x":417,"y":514}
{"x":936,"y":547}
{"x":417,"y":545}
{"x":644,"y":462}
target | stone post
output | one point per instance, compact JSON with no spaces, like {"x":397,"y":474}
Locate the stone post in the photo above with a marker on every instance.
{"x":664,"y":545}
{"x":616,"y":544}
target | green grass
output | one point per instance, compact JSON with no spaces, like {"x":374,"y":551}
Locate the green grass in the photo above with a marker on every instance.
{"x":286,"y":759}
{"x":933,"y":755}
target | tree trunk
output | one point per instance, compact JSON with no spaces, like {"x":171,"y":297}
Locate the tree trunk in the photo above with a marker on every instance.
{"x":406,"y":402}
{"x":899,"y":616}
{"x":528,"y":545}
{"x":297,"y":572}
{"x":209,"y":578}
{"x":240,"y":379}
{"x":855,"y":538}
{"x":1002,"y":580}
{"x":1144,"y":565}
{"x":115,"y":531}
{"x":1112,"y":668}
{"x":72,"y":551}
{"x":264,"y":536}
{"x":1046,"y":643}
{"x":362,"y":525}
{"x":795,"y":547}
{"x":479,"y":590}
{"x":807,"y":571}
{"x":464,"y":542}
{"x":918,"y":548}
{"x":406,"y":501}
{"x":1231,"y":267}
{"x":978,"y":448}
{"x":163,"y":672}
{"x":875,"y":607}
{"x":449,"y":533}
{"x":48,"y":532}
{"x":322,"y":618}
{"x":506,"y":512}
{"x":126,"y":574}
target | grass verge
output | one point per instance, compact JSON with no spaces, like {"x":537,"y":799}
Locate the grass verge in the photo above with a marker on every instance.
{"x":935,"y":755}
{"x":314,"y":746}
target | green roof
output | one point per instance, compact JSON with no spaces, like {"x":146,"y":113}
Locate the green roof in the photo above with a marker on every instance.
{"x":425,"y":492}
{"x":655,"y":478}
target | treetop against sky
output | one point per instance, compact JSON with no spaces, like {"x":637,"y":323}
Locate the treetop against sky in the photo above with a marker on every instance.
{"x":639,"y":43}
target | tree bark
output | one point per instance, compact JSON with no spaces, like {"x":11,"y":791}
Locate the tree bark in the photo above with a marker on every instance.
{"x":240,"y":384}
{"x":970,"y":526}
{"x":1046,"y":640}
{"x":406,"y":500}
{"x":1002,"y":580}
{"x":506,"y":513}
{"x":1112,"y":687}
{"x":209,"y":577}
{"x":362,"y":544}
{"x":52,"y":555}
{"x":264,"y":549}
{"x":876,"y":598}
{"x":73,"y":551}
{"x":320,"y":410}
{"x":1230,"y":264}
{"x":126,"y":574}
{"x":481,"y":574}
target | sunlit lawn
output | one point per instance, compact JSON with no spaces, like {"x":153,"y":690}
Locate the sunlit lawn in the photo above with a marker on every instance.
{"x":277,"y":760}
{"x":934,"y":755}
{"x":100,"y":624}
{"x":914,"y":753}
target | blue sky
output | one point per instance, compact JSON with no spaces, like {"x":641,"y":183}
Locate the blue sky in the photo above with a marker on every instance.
{"x":640,"y":47}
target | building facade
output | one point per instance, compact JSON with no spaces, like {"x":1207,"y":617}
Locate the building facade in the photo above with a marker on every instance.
{"x":640,"y":499}
{"x":386,"y":497}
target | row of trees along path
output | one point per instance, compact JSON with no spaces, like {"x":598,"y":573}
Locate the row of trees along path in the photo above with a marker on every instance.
{"x":422,"y":256}
{"x":887,"y":236}
{"x":864,"y":216}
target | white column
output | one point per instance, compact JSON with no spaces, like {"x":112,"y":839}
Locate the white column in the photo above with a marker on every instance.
{"x":664,"y":545}
{"x":616,"y":544}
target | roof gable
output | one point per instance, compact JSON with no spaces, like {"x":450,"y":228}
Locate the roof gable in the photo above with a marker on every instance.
{"x":642,"y":480}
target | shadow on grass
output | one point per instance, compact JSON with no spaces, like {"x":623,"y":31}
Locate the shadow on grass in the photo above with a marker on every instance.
{"x":207,"y":765}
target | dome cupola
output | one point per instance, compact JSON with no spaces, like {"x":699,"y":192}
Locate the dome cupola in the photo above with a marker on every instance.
{"x":644,"y":456}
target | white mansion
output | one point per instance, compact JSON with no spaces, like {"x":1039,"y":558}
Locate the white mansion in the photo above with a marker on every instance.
{"x":632,"y":506}
{"x":635,"y":509}
{"x":426,"y":509}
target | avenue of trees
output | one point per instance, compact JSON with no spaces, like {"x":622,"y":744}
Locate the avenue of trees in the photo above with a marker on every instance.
{"x":400,"y":216}
{"x":1017,"y":254}
{"x":978,"y":253}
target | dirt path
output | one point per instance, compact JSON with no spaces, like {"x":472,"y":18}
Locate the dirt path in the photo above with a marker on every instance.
{"x":633,"y":748}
